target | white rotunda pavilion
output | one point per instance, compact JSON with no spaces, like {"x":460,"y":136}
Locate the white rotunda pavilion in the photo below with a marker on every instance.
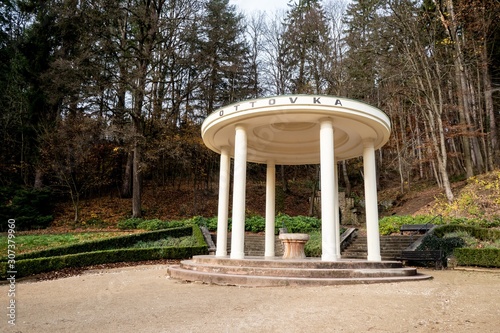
{"x":294,"y":130}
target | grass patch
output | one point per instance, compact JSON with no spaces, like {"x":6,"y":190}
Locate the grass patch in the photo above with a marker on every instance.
{"x":185,"y":241}
{"x":30,"y":243}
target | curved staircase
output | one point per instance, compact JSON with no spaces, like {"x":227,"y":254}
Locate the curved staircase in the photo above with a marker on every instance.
{"x":263,"y":272}
{"x":257,"y":271}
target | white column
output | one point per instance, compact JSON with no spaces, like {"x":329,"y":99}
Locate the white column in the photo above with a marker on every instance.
{"x":371,"y":204}
{"x":222,"y":216}
{"x":270,"y":209}
{"x":336,"y":209}
{"x":327,"y":191}
{"x":239,"y":192}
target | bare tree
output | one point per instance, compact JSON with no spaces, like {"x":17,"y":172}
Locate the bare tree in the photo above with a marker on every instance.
{"x":422,"y":60}
{"x":275,"y":75}
{"x":73,"y":155}
{"x":255,"y":31}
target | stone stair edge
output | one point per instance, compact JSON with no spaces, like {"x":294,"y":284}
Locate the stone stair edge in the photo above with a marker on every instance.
{"x":267,"y":281}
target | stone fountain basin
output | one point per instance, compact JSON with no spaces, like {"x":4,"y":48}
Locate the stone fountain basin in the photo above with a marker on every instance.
{"x":294,"y":245}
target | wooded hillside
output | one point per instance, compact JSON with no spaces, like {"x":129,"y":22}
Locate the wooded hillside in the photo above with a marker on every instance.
{"x":100,"y":98}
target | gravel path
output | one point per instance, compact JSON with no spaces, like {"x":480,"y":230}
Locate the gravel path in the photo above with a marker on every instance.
{"x":143,"y":299}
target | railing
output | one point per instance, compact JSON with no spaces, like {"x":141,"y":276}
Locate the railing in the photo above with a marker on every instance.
{"x":428,"y":228}
{"x":208,"y":239}
{"x":347,"y":238}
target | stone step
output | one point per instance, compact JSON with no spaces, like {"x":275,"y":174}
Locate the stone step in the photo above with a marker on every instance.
{"x":278,"y":262}
{"x":390,"y":247}
{"x":298,"y":272}
{"x":361,"y":244}
{"x":257,"y":271}
{"x":255,"y":245}
{"x":278,"y":281}
{"x":382,"y":246}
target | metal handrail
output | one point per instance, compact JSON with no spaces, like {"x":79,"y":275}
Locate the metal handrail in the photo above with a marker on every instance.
{"x":429,"y":231}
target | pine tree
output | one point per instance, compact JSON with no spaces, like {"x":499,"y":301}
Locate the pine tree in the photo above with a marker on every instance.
{"x":362,"y":38}
{"x":223,"y":57}
{"x":306,"y":47}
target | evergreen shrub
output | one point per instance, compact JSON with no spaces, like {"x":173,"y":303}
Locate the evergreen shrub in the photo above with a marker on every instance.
{"x":210,"y":223}
{"x":255,"y":223}
{"x":447,"y":245}
{"x":313,"y":246}
{"x":298,"y":224}
{"x":32,"y":209}
{"x":130,"y":223}
{"x":154,"y":224}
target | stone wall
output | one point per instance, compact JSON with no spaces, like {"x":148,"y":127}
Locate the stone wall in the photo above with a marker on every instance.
{"x":349,"y":213}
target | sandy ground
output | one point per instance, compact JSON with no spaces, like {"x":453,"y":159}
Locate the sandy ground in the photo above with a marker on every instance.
{"x":143,"y":299}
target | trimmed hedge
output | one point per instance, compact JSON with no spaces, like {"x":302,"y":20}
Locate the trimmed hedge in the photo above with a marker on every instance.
{"x":483,"y":234}
{"x":468,"y":256}
{"x":100,"y":252}
{"x":28,"y":267}
{"x":477,"y":257}
{"x":107,"y":244}
{"x":198,"y":234}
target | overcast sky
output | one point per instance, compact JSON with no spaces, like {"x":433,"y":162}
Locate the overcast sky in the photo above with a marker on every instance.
{"x":248,"y":6}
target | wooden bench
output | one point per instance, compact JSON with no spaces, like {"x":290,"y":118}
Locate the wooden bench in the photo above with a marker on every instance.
{"x":420,"y":228}
{"x":431,"y":255}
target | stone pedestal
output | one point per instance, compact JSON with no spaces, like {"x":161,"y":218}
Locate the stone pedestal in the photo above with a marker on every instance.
{"x":294,"y":245}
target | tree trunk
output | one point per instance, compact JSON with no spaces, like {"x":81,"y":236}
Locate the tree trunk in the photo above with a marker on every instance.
{"x":448,"y":20}
{"x":76,"y":206}
{"x":419,"y":153}
{"x":314,"y":190}
{"x":400,"y":166}
{"x":284,"y":182}
{"x":126,"y":190}
{"x":138,"y":135}
{"x":494,"y":149}
{"x":347,"y":182}
{"x":462,"y":106}
{"x":75,"y":199}
{"x":38,"y":179}
{"x":434,"y":107}
{"x":136,"y":182}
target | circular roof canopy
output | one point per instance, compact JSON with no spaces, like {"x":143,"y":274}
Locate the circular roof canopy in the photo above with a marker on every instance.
{"x":286,"y":129}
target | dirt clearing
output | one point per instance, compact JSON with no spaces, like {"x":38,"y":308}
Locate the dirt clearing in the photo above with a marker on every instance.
{"x":144,"y":299}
